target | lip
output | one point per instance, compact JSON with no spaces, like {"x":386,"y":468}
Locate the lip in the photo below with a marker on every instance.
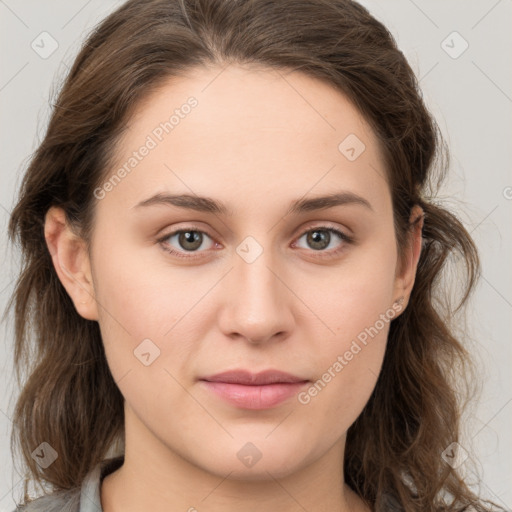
{"x":246,"y":377}
{"x":254,"y":391}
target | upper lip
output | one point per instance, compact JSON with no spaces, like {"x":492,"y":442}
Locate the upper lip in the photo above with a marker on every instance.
{"x":248,"y":378}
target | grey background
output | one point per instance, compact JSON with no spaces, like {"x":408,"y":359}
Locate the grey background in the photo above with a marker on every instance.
{"x":471,"y":96}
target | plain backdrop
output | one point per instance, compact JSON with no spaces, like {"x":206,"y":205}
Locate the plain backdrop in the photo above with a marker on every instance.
{"x":460,"y":51}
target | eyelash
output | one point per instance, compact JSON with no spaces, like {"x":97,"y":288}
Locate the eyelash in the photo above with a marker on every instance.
{"x":323,"y":254}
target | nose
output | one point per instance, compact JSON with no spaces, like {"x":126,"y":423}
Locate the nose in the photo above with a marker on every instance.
{"x":257,"y":301}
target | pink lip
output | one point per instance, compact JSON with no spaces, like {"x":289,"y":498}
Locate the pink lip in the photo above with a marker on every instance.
{"x":254,"y":391}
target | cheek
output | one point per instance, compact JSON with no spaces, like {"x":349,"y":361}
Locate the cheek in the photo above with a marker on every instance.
{"x":347,"y":367}
{"x":357,"y":307}
{"x":144,"y":303}
{"x":354,"y":295}
{"x":136,"y":290}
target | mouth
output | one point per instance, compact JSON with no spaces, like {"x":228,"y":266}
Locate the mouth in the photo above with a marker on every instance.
{"x":246,"y":390}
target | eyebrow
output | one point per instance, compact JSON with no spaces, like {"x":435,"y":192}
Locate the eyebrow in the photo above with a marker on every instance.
{"x":209,"y":205}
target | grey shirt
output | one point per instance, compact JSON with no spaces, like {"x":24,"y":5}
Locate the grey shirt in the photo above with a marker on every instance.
{"x":83,"y":499}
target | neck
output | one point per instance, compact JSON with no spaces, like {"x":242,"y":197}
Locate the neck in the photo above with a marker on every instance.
{"x":154,"y":477}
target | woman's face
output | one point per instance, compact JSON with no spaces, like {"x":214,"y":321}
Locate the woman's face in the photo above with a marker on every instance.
{"x":259,"y":282}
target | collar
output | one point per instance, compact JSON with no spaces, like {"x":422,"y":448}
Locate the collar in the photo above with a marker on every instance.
{"x":90,"y":500}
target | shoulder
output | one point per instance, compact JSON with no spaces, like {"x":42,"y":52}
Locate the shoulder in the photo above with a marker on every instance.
{"x":69,"y":500}
{"x":59,"y":501}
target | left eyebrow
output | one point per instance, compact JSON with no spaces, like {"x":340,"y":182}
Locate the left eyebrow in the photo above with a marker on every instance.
{"x":328,"y":201}
{"x":209,"y":205}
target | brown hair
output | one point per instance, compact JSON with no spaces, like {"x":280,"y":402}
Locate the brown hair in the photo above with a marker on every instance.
{"x":393,"y":451}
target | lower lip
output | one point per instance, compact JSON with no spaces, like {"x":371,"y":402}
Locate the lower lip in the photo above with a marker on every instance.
{"x":255,"y":397}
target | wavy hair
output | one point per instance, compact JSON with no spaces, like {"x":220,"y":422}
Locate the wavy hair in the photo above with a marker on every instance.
{"x":393,"y":450}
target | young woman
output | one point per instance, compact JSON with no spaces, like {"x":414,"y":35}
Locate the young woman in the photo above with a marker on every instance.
{"x":232,"y":271}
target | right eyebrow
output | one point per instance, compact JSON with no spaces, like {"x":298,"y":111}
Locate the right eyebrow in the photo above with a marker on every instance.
{"x":190,"y":202}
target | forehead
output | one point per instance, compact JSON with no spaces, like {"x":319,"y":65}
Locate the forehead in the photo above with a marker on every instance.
{"x":243,"y":132}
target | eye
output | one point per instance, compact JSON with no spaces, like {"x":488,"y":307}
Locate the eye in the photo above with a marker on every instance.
{"x":188,"y":240}
{"x":320,"y":238}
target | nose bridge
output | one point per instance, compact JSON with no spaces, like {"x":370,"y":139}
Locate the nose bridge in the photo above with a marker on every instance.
{"x":255,"y":270}
{"x":259,"y":306}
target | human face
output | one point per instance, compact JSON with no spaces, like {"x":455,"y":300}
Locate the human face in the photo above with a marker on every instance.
{"x":256,"y":288}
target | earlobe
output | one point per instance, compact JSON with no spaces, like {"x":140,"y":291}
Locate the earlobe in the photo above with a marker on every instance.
{"x":405,"y":281}
{"x":71,"y":262}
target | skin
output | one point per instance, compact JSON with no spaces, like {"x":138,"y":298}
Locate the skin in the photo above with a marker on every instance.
{"x":257,"y":140}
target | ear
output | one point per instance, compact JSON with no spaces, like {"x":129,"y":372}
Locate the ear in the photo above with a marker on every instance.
{"x":406,"y":273}
{"x":71,"y":261}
